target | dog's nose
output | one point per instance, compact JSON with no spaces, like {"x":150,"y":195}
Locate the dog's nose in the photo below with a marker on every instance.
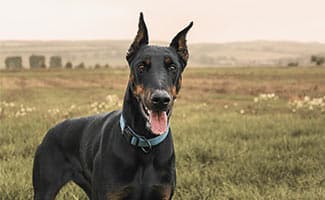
{"x":160,"y":99}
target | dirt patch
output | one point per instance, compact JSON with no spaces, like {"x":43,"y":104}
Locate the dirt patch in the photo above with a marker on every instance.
{"x":253,"y":87}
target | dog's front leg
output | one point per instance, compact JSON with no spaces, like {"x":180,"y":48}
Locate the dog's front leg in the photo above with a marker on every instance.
{"x":98,"y":180}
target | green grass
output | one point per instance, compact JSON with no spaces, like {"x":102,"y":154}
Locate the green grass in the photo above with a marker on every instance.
{"x":269,"y":152}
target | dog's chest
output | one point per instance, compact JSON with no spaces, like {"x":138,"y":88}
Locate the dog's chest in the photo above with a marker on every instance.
{"x":141,"y":192}
{"x":155,"y":180}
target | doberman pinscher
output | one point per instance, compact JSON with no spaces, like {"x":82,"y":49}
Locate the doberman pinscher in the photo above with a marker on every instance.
{"x":126,"y":154}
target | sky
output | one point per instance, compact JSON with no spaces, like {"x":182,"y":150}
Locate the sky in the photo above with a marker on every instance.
{"x":214,"y":20}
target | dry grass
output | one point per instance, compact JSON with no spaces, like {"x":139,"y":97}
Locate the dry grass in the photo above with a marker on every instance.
{"x":228,"y":145}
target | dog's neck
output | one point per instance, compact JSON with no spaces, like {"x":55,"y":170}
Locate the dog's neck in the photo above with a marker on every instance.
{"x":133,"y":116}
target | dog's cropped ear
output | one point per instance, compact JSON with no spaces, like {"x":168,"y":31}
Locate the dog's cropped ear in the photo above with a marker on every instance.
{"x":179,"y":44}
{"x":140,"y":39}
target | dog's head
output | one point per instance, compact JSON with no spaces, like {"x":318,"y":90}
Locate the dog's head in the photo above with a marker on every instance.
{"x":156,"y":75}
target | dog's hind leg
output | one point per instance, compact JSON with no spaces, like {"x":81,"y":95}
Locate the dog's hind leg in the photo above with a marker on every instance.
{"x":51,"y":171}
{"x":81,"y":181}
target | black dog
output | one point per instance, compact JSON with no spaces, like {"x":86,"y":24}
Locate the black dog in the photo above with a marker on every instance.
{"x":126,"y":154}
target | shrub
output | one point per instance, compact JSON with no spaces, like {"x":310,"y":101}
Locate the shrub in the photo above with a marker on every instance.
{"x":37,"y":61}
{"x":319,"y":60}
{"x":293,"y":64}
{"x":14,"y":62}
{"x":81,"y":66}
{"x":68,"y":65}
{"x":55,"y":62}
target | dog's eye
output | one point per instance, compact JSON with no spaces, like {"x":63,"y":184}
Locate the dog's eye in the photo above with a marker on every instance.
{"x":172,"y":67}
{"x":141,"y":68}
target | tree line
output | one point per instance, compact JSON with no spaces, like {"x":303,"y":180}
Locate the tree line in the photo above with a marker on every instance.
{"x":39,"y":62}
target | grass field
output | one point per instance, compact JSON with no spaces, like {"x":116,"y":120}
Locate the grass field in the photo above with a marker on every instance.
{"x":240,"y":133}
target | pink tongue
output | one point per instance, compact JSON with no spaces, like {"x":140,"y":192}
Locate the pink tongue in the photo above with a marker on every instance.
{"x":158,"y":122}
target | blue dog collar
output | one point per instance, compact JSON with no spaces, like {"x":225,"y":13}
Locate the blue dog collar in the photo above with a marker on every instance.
{"x":141,"y":141}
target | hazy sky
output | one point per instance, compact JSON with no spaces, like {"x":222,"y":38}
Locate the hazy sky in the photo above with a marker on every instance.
{"x":214,"y":20}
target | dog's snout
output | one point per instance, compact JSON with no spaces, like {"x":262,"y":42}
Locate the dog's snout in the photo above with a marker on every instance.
{"x":160,"y":99}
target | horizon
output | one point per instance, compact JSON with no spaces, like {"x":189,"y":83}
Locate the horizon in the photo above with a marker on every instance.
{"x":160,"y":41}
{"x":214,"y":22}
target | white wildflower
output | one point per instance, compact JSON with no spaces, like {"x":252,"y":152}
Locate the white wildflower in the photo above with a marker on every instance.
{"x":306,"y":98}
{"x":94,"y":104}
{"x":316,"y":101}
{"x":271,"y":95}
{"x":73,"y":106}
{"x":299,"y":104}
{"x":263,"y":96}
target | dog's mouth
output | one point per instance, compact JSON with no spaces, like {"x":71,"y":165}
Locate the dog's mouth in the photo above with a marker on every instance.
{"x":157,"y":121}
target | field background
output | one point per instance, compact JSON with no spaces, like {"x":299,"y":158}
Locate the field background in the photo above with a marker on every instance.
{"x":231,"y":142}
{"x":112,"y":52}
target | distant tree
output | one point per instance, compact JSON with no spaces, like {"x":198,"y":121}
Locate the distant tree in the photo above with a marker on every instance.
{"x":293,"y":64}
{"x":97,"y":66}
{"x":81,"y":66}
{"x":313,"y":58}
{"x":319,"y":60}
{"x":68,"y":65}
{"x":14,"y":62}
{"x":106,"y":66}
{"x":55,"y":62}
{"x":37,"y":61}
